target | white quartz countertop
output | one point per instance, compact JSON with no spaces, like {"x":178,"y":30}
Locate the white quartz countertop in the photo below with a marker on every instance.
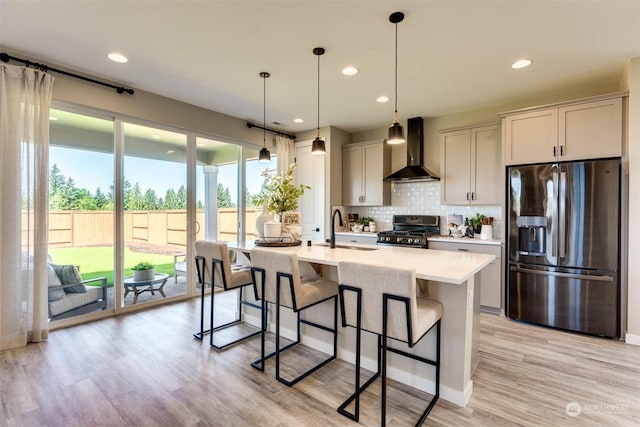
{"x":472,"y":241}
{"x":429,"y":264}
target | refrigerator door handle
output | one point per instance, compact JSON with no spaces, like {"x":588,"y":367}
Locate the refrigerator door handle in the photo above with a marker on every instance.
{"x":562,"y":201}
{"x":554,"y":217}
{"x":596,"y":278}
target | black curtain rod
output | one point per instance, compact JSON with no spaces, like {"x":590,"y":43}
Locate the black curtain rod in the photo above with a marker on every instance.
{"x":5,"y":57}
{"x":277,"y":132}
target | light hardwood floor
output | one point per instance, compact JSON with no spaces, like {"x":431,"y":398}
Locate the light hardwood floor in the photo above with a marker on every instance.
{"x":145,"y":369}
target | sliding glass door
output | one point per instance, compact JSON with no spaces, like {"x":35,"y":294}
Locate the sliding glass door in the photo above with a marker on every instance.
{"x":154,"y":191}
{"x":81,"y":211}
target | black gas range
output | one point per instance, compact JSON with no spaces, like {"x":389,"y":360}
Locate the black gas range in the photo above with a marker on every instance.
{"x":411,"y":231}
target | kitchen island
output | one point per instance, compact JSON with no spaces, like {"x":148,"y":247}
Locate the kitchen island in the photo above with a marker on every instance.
{"x":449,"y":277}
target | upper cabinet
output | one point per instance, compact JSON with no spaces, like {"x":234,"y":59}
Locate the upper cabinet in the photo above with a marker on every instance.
{"x":364,"y":166}
{"x":470,"y":166}
{"x":573,"y":131}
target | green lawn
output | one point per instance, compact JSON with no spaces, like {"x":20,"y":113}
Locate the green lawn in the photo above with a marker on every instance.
{"x":98,"y":261}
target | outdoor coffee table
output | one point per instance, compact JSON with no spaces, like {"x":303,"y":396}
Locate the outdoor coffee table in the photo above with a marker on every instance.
{"x":140,"y":286}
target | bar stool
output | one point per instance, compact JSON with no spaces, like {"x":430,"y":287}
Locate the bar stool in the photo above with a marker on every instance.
{"x":383,"y":301}
{"x":214,"y":268}
{"x":278,"y":281}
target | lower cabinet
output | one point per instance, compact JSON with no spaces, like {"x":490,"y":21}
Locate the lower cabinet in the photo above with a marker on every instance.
{"x":490,"y":278}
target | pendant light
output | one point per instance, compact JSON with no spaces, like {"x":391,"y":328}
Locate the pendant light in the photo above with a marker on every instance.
{"x":396,"y":132}
{"x":265,"y":155}
{"x":317,"y":147}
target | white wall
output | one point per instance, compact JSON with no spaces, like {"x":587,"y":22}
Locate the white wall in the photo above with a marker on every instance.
{"x":631,"y":81}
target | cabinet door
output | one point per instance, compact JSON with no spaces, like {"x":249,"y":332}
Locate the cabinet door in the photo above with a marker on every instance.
{"x":372,"y":176}
{"x":490,"y":277}
{"x":531,"y":137}
{"x":310,"y":171}
{"x":352,"y":176}
{"x":490,"y":285}
{"x":592,"y":130}
{"x":486,"y":165}
{"x":456,"y":168}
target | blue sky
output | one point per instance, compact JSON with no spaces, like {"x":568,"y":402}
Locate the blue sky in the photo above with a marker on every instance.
{"x":92,"y":170}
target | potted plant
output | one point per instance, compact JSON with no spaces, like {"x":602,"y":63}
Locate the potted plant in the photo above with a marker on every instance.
{"x":279,"y":192}
{"x":143,"y":271}
{"x":476,"y":222}
{"x":365,"y":220}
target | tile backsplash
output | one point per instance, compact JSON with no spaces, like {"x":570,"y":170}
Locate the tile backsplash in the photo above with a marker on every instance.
{"x":423,"y":198}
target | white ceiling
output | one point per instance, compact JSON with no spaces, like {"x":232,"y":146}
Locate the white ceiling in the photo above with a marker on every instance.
{"x":453,"y":55}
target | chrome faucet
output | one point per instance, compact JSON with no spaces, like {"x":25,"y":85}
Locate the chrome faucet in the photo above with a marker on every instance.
{"x":332,"y":243}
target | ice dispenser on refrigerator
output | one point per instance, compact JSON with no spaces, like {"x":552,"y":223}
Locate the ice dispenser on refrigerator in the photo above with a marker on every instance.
{"x":532,"y":235}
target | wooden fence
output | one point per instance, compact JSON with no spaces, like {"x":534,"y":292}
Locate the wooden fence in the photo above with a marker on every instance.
{"x":96,"y":228}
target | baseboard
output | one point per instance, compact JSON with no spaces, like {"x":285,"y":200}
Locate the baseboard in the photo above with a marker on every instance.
{"x":632,"y":339}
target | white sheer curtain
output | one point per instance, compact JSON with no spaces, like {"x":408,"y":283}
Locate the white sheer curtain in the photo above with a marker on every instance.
{"x":286,"y":152}
{"x":25,"y":102}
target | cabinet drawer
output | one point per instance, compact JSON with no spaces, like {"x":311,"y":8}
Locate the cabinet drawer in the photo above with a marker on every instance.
{"x":367,"y":239}
{"x":465,"y":247}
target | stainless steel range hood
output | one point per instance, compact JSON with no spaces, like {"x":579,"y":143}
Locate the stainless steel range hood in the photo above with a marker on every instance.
{"x":414,"y":171}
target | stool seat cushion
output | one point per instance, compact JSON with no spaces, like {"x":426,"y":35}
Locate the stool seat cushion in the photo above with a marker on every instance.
{"x":240,"y":276}
{"x":313,"y":290}
{"x":429,"y":312}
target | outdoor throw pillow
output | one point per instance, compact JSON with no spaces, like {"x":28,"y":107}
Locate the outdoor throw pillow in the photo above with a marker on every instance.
{"x":53,"y":280}
{"x":69,"y":275}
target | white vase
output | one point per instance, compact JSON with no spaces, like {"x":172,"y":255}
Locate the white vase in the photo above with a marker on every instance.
{"x":261,"y":219}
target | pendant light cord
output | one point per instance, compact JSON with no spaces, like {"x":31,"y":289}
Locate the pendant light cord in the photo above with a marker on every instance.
{"x":264,"y":111}
{"x":396,"y":74}
{"x":318,"y":97}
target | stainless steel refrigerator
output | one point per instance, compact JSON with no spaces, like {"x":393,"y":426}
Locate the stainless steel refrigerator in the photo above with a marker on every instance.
{"x":563,"y":242}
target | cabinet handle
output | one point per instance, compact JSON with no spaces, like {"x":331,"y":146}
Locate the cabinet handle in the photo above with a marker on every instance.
{"x":463,"y":250}
{"x":473,"y":195}
{"x":554,"y":151}
{"x":467,"y":195}
{"x":562,"y":150}
{"x":317,"y":230}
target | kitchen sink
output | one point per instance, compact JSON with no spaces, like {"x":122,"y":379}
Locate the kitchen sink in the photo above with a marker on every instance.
{"x":355,"y":248}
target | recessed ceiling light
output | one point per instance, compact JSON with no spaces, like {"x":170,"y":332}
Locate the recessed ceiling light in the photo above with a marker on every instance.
{"x":298,"y":121}
{"x":52,"y":118}
{"x":382,"y":98}
{"x":117,"y":57}
{"x":170,"y":151}
{"x":350,"y":70}
{"x":521,"y":63}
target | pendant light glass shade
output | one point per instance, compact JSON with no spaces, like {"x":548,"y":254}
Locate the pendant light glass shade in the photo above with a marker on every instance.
{"x":265,"y":155}
{"x":317,"y":147}
{"x":396,"y":132}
